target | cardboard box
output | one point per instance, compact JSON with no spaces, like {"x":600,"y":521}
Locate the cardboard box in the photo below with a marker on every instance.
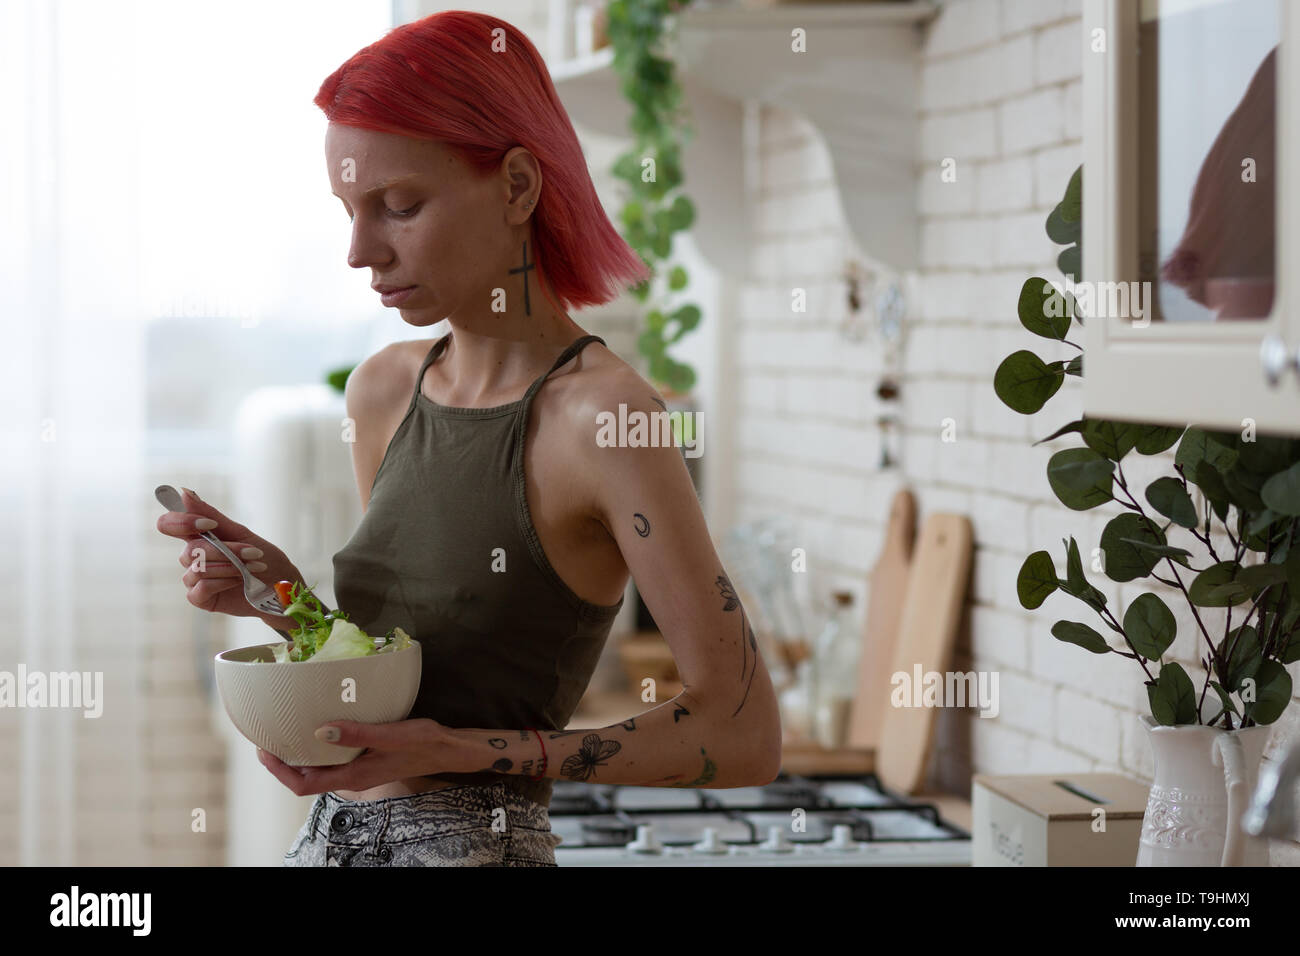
{"x":1086,"y":819}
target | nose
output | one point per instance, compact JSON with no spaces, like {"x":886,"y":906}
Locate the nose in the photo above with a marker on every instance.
{"x":366,"y":248}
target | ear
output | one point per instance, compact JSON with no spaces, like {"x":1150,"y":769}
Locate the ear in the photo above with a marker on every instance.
{"x":521,"y":177}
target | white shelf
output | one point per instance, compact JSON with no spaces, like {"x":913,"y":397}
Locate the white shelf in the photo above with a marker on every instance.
{"x":856,"y":84}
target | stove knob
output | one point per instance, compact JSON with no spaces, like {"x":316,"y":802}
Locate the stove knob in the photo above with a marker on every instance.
{"x":841,"y":838}
{"x":645,"y":841}
{"x":710,"y":843}
{"x":776,"y":841}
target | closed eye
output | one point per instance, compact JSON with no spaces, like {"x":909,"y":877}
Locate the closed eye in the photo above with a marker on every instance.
{"x":405,"y":213}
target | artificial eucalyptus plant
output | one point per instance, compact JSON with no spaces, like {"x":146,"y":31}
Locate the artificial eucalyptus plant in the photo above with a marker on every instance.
{"x":656,"y":207}
{"x":1249,"y":482}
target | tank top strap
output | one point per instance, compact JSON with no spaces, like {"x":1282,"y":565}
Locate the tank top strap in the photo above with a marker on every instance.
{"x":576,"y":346}
{"x":434,"y":352}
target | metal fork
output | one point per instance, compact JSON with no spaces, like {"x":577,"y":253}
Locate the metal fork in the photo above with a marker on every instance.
{"x":258,"y":594}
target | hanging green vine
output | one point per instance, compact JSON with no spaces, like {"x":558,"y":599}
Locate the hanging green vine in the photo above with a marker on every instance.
{"x":656,"y":207}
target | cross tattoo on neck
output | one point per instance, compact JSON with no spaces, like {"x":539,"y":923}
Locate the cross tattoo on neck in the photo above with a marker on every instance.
{"x":524,"y":269}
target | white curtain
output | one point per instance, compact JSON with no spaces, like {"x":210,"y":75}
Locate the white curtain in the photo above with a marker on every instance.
{"x":156,"y":159}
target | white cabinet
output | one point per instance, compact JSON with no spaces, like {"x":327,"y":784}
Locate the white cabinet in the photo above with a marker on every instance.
{"x":1191,"y":200}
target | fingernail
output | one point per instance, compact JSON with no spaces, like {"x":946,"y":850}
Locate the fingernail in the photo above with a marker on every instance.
{"x":205,"y":524}
{"x":191,"y":494}
{"x":256,"y":566}
{"x":328,"y":734}
{"x":251,"y":553}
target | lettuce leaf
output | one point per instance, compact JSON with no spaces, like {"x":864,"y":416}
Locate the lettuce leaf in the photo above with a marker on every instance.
{"x":399,"y":640}
{"x":345,"y":640}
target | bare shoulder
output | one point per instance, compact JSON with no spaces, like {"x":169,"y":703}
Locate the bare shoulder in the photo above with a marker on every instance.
{"x":382,"y":382}
{"x":603,"y":382}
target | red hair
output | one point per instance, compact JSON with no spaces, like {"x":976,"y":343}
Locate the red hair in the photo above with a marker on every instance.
{"x":441,"y":78}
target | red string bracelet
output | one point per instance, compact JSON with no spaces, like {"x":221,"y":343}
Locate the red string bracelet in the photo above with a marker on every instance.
{"x":542,"y":773}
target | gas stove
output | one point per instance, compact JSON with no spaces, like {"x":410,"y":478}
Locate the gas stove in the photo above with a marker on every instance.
{"x":792,"y":821}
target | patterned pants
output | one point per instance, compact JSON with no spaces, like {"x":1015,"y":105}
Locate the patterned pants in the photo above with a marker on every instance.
{"x":474,"y":825}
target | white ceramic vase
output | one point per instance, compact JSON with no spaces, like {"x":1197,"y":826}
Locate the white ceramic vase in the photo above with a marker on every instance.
{"x":1204,"y":778}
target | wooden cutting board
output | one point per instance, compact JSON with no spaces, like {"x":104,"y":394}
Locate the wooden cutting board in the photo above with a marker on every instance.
{"x":932,"y":609}
{"x":885,"y":589}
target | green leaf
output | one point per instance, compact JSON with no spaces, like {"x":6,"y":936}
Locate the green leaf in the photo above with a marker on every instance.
{"x":681,"y":213}
{"x":1256,"y":577}
{"x":1080,"y":478}
{"x":1260,"y":523}
{"x":1036,"y":581}
{"x":1241,"y":654}
{"x":1208,"y":581}
{"x":677,"y":278}
{"x":1074,"y":366}
{"x":1025,"y":382}
{"x":1112,"y":439}
{"x":1076,"y":582}
{"x":1272,"y":693}
{"x":1070,"y":262}
{"x":633,"y":213}
{"x":1072,"y":202}
{"x":1199,"y":445}
{"x":1072,"y":632}
{"x":1281,"y":493}
{"x":1162,"y":550}
{"x":1207,"y":478}
{"x":1150,"y":626}
{"x":1268,"y":454}
{"x":1170,"y":498}
{"x":687,"y":318}
{"x":1172,"y":697}
{"x":650,"y":344}
{"x":1223,"y":698}
{"x":1074,"y":426}
{"x":1043,"y":310}
{"x":1061,"y":232}
{"x":1074,"y":566}
{"x":1153,"y":439}
{"x":1124,"y":562}
{"x":1292,"y":652}
{"x":1243,"y":488}
{"x":1292,"y":567}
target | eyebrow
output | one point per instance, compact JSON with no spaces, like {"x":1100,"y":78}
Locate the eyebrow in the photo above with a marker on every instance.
{"x":381,"y":186}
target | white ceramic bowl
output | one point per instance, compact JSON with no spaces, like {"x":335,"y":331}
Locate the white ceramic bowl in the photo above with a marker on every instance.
{"x":279,"y":706}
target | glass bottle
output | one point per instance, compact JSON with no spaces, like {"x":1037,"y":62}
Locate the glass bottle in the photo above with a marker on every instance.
{"x":835,"y":660}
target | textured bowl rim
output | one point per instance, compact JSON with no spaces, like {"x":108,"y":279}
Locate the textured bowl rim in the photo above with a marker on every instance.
{"x":221,"y":658}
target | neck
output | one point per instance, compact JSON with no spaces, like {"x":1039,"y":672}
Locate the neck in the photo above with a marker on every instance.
{"x":502,"y":353}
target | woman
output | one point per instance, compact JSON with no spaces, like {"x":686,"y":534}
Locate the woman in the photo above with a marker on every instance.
{"x":497,"y":531}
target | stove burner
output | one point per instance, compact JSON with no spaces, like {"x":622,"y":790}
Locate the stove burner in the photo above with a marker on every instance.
{"x":609,"y":815}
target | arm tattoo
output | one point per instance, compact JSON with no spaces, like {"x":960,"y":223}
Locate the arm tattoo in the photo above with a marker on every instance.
{"x":593,"y":753}
{"x":659,"y":401}
{"x":706,"y":775}
{"x":748,"y":646}
{"x":642,"y":524}
{"x":679,"y":712}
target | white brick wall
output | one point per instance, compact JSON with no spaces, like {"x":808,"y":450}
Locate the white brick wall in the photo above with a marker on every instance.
{"x":1000,"y":95}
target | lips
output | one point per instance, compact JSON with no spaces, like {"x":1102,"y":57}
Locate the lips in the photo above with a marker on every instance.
{"x":385,"y":289}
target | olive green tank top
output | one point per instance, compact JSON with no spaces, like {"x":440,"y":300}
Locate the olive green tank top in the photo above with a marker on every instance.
{"x":447,"y":551}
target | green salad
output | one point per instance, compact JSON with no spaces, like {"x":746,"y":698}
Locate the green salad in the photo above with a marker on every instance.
{"x":327,"y":636}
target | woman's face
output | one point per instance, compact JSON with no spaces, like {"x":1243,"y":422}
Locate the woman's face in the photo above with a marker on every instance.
{"x":432,"y":223}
